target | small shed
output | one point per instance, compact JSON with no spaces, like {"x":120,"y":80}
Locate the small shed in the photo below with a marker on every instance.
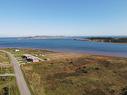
{"x":17,"y":50}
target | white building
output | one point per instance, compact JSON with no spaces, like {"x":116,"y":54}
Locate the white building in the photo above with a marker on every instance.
{"x":32,"y":58}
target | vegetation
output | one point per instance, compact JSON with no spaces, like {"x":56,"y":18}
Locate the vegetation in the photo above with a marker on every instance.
{"x":4,"y":58}
{"x":108,"y":39}
{"x":4,"y":70}
{"x":38,"y":53}
{"x":75,"y":74}
{"x":8,"y":84}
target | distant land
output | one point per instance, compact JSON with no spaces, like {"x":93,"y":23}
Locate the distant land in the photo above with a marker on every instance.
{"x":43,"y":37}
{"x":47,"y":37}
{"x":107,"y":39}
{"x":111,"y":39}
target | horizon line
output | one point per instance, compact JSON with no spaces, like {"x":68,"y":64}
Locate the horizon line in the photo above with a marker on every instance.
{"x":62,"y":36}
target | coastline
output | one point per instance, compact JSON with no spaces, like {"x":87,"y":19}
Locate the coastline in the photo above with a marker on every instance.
{"x":65,"y":65}
{"x":93,"y":53}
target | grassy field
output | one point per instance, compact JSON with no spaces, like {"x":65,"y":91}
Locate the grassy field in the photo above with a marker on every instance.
{"x":4,"y":70}
{"x":4,"y":58}
{"x":77,"y":74}
{"x":37,"y":53}
{"x":8,"y":84}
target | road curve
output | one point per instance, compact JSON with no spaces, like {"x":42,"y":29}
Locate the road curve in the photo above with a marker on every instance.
{"x":22,"y":85}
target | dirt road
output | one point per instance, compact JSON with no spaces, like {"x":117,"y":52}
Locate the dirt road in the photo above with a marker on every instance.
{"x":23,"y":88}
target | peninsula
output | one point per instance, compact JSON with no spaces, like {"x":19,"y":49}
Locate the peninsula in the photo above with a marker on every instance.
{"x":107,"y":39}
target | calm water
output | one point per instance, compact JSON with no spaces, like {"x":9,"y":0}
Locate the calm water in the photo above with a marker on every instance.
{"x":67,"y":45}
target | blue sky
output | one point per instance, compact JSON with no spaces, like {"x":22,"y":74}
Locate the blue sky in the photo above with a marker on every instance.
{"x":63,"y":17}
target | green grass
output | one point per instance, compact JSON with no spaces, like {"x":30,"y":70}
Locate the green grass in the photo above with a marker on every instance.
{"x":4,"y":70}
{"x":10,"y":84}
{"x":5,"y":66}
{"x":38,"y":53}
{"x":4,"y":58}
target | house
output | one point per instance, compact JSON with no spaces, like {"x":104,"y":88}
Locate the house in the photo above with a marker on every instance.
{"x":17,"y":50}
{"x":30,"y":58}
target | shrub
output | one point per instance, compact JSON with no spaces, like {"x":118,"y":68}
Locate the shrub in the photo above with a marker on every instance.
{"x":124,"y":91}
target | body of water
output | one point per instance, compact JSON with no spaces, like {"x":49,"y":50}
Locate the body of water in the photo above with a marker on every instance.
{"x":67,"y":45}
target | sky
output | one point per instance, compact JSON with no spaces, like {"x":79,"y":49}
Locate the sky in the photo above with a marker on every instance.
{"x":63,"y":17}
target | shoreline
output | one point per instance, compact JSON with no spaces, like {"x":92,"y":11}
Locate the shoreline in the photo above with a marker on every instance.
{"x":94,"y":53}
